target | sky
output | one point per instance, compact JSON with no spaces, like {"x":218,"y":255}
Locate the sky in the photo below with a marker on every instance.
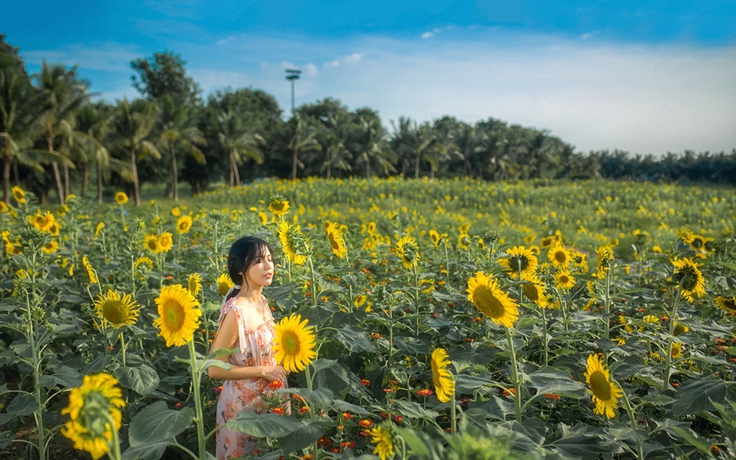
{"x":643,"y":76}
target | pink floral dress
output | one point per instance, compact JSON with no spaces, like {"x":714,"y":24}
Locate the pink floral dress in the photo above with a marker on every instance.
{"x":244,"y":395}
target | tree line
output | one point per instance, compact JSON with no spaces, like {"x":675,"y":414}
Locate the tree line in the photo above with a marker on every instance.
{"x":54,"y":137}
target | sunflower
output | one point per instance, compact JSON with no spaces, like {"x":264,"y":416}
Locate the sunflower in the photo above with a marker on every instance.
{"x":676,"y":350}
{"x":194,"y":283}
{"x":290,"y":237}
{"x":166,"y":241}
{"x":360,"y":300}
{"x":42,"y":221}
{"x":12,"y":249}
{"x":121,"y":198}
{"x":115,"y":309}
{"x":52,"y":247}
{"x":726,"y":303}
{"x":535,"y":291}
{"x":88,"y":426}
{"x":152,"y":243}
{"x":98,"y":229}
{"x":178,"y":315}
{"x":294,"y":343}
{"x":579,"y":260}
{"x":224,"y":283}
{"x":143,"y":261}
{"x":436,"y":237}
{"x":53,"y":229}
{"x":548,"y":241}
{"x":680,"y":328}
{"x":564,"y":280}
{"x":559,"y":256}
{"x":686,"y":236}
{"x":605,"y":393}
{"x":484,"y":293}
{"x":463,"y":241}
{"x":279,"y":206}
{"x":444,"y":385}
{"x":183,"y":224}
{"x":408,"y":251}
{"x":382,"y":438}
{"x":605,"y":260}
{"x":175,"y":211}
{"x":18,"y":194}
{"x":91,"y":274}
{"x":62,"y":210}
{"x":334,"y":234}
{"x":262,"y":218}
{"x":520,"y":260}
{"x":688,"y":277}
{"x":3,"y":207}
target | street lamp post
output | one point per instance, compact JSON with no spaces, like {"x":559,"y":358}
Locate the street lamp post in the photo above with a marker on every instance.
{"x":292,"y":75}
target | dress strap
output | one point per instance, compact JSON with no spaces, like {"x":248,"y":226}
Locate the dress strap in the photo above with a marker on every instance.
{"x":231,"y":305}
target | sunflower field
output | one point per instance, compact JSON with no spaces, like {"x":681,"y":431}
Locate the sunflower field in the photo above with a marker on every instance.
{"x":444,"y":319}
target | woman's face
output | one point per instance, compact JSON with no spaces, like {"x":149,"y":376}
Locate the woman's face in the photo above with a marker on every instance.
{"x":262,"y":270}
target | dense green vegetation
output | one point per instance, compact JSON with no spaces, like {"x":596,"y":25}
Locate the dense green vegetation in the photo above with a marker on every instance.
{"x":55,"y":140}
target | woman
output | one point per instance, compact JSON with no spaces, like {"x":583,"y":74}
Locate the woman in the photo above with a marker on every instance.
{"x":245,"y":323}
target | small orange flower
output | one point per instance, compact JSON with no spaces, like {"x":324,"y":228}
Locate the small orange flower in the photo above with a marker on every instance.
{"x":275,"y":385}
{"x":365,"y":423}
{"x":425,"y":392}
{"x":277,"y":410}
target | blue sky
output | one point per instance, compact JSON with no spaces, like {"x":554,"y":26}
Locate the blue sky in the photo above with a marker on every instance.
{"x":644,"y":76}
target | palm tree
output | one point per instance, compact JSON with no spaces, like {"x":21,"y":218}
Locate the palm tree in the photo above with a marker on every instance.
{"x":369,"y":143}
{"x":94,"y":127}
{"x":302,"y":138}
{"x":239,"y":142}
{"x":132,"y":125}
{"x":176,"y":129}
{"x":62,"y":95}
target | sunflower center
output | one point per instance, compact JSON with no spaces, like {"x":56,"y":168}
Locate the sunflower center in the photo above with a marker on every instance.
{"x":560,"y":257}
{"x":486,"y":302}
{"x":115,"y":312}
{"x":174,"y":315}
{"x":687,"y":278}
{"x":333,"y":242}
{"x":600,"y":386}
{"x":152,"y":245}
{"x":291,"y":342}
{"x":531,"y":292}
{"x":564,"y":279}
{"x":520,"y":262}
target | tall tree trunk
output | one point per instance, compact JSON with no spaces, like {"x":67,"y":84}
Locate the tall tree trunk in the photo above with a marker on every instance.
{"x":293,"y":163}
{"x":416,"y":165}
{"x":236,"y":174}
{"x":85,"y":179}
{"x":16,"y":176}
{"x":134,"y":170}
{"x":6,"y":180}
{"x":99,"y":182}
{"x":67,"y":188}
{"x":329,"y":171}
{"x":175,"y":171}
{"x":57,"y":174}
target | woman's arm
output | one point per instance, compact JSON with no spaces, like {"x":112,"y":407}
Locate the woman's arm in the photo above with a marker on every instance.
{"x":227,"y":337}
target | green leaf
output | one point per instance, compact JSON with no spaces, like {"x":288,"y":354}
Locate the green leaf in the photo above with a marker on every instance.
{"x":22,"y":404}
{"x":157,"y":423}
{"x":97,"y":365}
{"x":301,"y":437}
{"x":264,"y":425}
{"x":67,"y":377}
{"x":343,"y":406}
{"x":216,"y":363}
{"x":417,"y":442}
{"x":691,"y":438}
{"x":147,"y":451}
{"x":413,"y":410}
{"x":355,"y":341}
{"x":220,"y":352}
{"x":695,"y":396}
{"x":141,"y":379}
{"x":412,"y":346}
{"x":320,"y":398}
{"x":322,"y":364}
{"x":549,"y":380}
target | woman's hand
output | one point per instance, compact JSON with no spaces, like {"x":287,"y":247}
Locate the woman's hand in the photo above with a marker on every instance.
{"x":272,"y":373}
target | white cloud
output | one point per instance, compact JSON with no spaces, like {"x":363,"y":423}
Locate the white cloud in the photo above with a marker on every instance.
{"x":105,"y":56}
{"x":426,"y":35}
{"x":355,"y":57}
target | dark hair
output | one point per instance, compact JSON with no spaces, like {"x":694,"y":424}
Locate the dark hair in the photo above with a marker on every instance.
{"x":244,"y":253}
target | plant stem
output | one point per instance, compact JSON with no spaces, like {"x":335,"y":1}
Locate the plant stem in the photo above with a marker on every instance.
{"x":114,"y":453}
{"x":607,"y":303}
{"x":545,"y":341}
{"x":453,"y":412}
{"x":35,"y":354}
{"x":199,"y":420}
{"x":668,"y":358}
{"x":514,"y":375}
{"x":632,"y":418}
